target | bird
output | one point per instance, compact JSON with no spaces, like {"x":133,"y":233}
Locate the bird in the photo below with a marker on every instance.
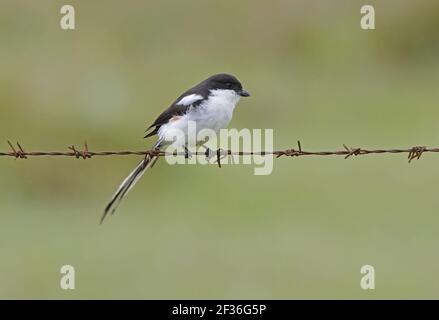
{"x":209,"y":104}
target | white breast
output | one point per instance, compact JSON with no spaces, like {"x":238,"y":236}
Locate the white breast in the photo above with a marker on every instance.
{"x":214,"y":113}
{"x":217,"y":111}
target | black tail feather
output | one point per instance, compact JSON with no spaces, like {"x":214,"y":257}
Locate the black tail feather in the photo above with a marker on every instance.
{"x":127,"y":184}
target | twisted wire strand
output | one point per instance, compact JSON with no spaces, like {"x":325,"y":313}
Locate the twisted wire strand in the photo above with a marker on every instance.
{"x":413,"y":153}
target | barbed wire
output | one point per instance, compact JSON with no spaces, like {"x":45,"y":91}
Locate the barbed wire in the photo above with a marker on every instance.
{"x":413,"y":153}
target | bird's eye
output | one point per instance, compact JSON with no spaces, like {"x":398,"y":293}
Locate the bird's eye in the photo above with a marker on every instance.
{"x":228,"y":85}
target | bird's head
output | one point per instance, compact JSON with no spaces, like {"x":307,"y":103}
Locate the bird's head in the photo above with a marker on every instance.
{"x":224,"y":81}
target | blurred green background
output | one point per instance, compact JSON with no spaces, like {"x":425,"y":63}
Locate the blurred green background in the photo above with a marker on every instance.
{"x":199,"y":231}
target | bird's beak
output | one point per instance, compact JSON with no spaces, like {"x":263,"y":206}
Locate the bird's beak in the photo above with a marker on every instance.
{"x":244,"y":93}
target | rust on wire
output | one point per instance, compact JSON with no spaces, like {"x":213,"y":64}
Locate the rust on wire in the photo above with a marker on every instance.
{"x":416,"y":153}
{"x":413,"y":153}
{"x":84,"y":154}
{"x":289,"y":152}
{"x":352,"y":151}
{"x":20,"y":153}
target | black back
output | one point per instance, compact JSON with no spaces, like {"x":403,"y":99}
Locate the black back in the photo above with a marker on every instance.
{"x":218,"y":81}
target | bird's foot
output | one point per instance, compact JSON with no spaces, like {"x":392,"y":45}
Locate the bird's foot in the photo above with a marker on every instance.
{"x":187,"y":153}
{"x":209,"y":153}
{"x":220,"y":154}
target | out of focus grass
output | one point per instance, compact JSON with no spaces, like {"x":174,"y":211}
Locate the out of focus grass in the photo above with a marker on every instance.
{"x":202,"y":232}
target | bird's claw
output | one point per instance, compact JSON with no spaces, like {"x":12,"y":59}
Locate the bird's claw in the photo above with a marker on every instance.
{"x":209,"y":154}
{"x":187,"y":153}
{"x":220,"y":154}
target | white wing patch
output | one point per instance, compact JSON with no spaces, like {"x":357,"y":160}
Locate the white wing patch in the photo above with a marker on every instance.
{"x":188,"y":100}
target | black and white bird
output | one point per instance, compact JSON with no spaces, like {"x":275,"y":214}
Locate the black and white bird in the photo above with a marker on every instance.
{"x":209,"y":105}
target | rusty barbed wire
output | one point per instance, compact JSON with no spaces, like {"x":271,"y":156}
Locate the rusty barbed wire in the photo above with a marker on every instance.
{"x":413,"y":153}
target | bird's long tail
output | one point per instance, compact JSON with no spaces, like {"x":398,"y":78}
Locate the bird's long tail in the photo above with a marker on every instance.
{"x":128,"y":183}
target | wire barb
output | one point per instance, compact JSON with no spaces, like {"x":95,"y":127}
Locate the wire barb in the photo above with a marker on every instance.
{"x":218,"y":157}
{"x":416,"y":153}
{"x":84,"y":154}
{"x":352,"y":151}
{"x":18,"y":154}
{"x":290,"y":152}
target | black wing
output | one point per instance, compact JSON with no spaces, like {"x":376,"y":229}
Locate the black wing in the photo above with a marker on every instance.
{"x":177,"y":109}
{"x":173,"y":110}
